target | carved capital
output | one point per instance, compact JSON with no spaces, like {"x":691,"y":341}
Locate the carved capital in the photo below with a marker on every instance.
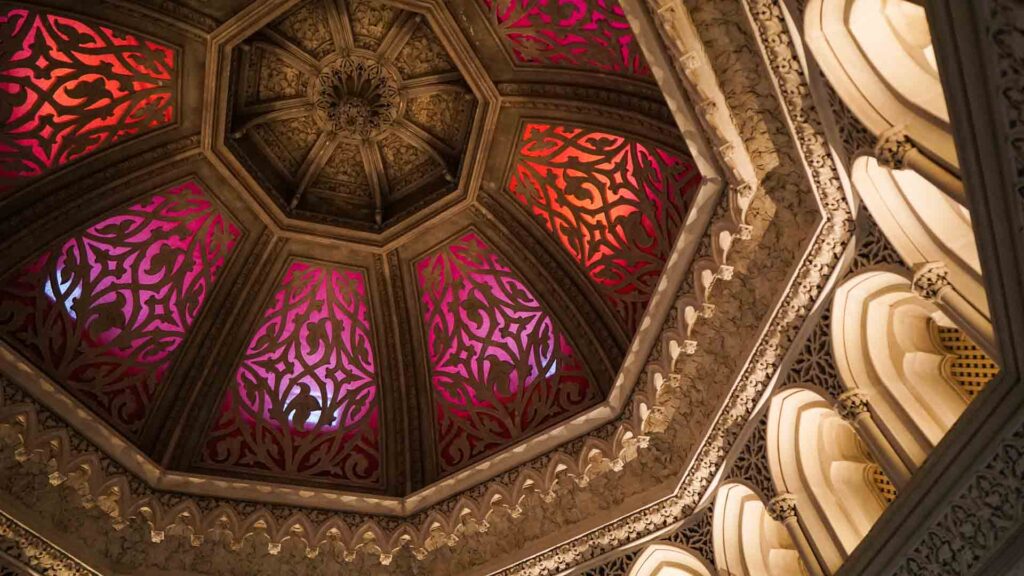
{"x":892,"y":149}
{"x":929,"y":279}
{"x":851,"y":404}
{"x":782,"y":507}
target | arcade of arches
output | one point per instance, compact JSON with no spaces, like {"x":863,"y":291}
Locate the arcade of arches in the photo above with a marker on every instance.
{"x":517,"y":287}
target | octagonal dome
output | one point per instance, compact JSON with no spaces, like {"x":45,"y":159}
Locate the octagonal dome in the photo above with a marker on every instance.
{"x":407,"y":245}
{"x":351,"y":113}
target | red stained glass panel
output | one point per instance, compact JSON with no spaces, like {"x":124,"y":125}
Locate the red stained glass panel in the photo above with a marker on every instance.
{"x":305,"y":395}
{"x":69,"y":88}
{"x":614,"y":203}
{"x":500,"y":366}
{"x":105,"y":310}
{"x":588,"y":34}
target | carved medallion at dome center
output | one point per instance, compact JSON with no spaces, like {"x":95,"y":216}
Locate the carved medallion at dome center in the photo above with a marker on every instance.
{"x":356,"y":96}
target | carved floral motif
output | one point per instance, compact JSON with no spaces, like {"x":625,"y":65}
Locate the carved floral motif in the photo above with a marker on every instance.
{"x":72,"y":88}
{"x":305,"y":396}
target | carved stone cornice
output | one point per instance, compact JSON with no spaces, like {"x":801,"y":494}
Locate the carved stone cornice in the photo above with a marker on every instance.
{"x":929,"y":279}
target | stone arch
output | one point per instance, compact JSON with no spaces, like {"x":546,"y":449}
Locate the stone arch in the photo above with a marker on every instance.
{"x":747,"y":541}
{"x":883,"y":339}
{"x":878,"y":56}
{"x":923,"y":224}
{"x":667,"y":559}
{"x":818,"y":457}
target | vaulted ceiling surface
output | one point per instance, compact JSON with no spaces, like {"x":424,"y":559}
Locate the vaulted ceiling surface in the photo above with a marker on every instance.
{"x":499,"y":314}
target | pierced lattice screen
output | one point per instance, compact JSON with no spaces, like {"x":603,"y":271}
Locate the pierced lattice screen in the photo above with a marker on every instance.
{"x":885,"y":488}
{"x":971,"y":368}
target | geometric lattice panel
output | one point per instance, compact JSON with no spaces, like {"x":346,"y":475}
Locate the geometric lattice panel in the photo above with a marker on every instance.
{"x":304,"y":400}
{"x":71,"y":88}
{"x":582,"y":34}
{"x":501,"y":368}
{"x":614,"y":204}
{"x":106,"y":309}
{"x":970,"y":367}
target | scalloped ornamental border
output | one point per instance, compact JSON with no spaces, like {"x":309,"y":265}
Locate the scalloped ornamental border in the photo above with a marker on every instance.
{"x":794,"y":93}
{"x":438,"y":529}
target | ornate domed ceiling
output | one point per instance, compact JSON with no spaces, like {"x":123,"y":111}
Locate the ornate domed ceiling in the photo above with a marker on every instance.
{"x":417,"y":247}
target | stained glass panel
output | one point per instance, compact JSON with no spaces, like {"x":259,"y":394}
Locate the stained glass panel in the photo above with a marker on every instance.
{"x":587,"y":34}
{"x":305,"y":397}
{"x":70,"y":88}
{"x":614,"y":203}
{"x":106,"y":310}
{"x":501,"y":368}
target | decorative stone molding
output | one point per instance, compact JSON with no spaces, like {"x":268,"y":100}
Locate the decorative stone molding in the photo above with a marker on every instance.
{"x":929,"y":279}
{"x":782,"y":507}
{"x":28,"y":549}
{"x":851,"y":404}
{"x":892,"y":148}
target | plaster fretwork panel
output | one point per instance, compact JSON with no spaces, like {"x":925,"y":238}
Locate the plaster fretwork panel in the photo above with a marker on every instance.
{"x":304,"y":401}
{"x":500,"y":366}
{"x":614,"y":203}
{"x":105,"y":310}
{"x":73,"y":87}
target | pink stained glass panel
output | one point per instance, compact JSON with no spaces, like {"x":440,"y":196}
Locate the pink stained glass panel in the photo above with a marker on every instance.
{"x":69,"y":88}
{"x":582,"y":34}
{"x":501,"y":368}
{"x":105,"y":310}
{"x":614,"y":203}
{"x":305,"y":395}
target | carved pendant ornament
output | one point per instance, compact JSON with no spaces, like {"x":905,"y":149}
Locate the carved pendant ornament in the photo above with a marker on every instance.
{"x":305,"y":397}
{"x":356,"y":97}
{"x":582,"y":34}
{"x":614,"y":204}
{"x":105,"y":310}
{"x":500,"y":366}
{"x":71,"y":88}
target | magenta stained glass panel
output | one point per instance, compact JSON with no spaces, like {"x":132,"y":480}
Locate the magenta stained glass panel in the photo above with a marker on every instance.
{"x":305,"y":397}
{"x":501,"y":368}
{"x":106,"y":310}
{"x":585,"y":34}
{"x":69,"y":88}
{"x":615,"y":204}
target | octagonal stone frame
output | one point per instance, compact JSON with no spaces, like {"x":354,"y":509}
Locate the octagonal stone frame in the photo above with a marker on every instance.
{"x":214,"y":130}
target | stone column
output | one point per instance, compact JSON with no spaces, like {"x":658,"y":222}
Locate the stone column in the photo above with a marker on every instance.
{"x":931,"y":282}
{"x":853,"y":407}
{"x":895,"y":150}
{"x":782,"y":509}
